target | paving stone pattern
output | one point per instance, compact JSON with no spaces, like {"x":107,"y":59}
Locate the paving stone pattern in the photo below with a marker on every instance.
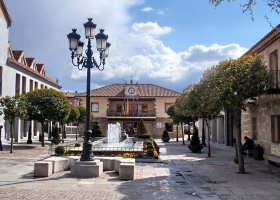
{"x":180,"y":175}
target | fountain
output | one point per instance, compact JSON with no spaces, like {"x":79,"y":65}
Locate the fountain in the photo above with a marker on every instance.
{"x":115,"y":142}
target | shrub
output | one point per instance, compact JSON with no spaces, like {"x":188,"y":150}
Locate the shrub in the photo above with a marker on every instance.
{"x":195,"y":139}
{"x":150,"y":152}
{"x":145,"y":136}
{"x":165,"y":137}
{"x":59,"y":150}
{"x":77,"y":144}
{"x":149,"y":143}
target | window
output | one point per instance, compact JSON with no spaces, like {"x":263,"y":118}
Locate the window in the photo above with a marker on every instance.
{"x":167,"y":106}
{"x":1,"y":75}
{"x":144,"y":108}
{"x":118,"y":108}
{"x":275,"y":128}
{"x":31,"y":85}
{"x":94,"y":107}
{"x":42,"y":86}
{"x":23,"y":85}
{"x":273,"y":66}
{"x":169,"y":127}
{"x":254,"y":128}
{"x":17,"y":84}
{"x":36,"y":85}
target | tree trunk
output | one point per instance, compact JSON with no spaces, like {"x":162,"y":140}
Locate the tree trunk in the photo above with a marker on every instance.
{"x":189,"y":132}
{"x":208,"y":139}
{"x":29,"y":140}
{"x":203,"y":134}
{"x":177,"y":133}
{"x":12,"y":135}
{"x":183,"y":137}
{"x":77,"y":130}
{"x":43,"y":135}
{"x":237,"y":123}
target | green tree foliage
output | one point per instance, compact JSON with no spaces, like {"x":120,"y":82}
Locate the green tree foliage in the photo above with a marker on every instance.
{"x":47,"y":105}
{"x":13,"y":107}
{"x":141,"y":128}
{"x":81,"y":118}
{"x":231,"y":85}
{"x":165,"y":137}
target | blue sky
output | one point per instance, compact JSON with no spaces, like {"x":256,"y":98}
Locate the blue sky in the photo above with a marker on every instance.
{"x":163,"y":42}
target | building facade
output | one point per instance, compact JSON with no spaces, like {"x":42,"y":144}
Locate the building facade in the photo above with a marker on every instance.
{"x":130,"y":103}
{"x":18,"y":75}
{"x":262,"y":122}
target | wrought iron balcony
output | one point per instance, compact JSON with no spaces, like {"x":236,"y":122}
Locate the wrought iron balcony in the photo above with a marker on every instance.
{"x":116,"y":113}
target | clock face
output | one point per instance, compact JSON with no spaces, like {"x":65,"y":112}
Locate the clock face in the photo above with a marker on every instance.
{"x":131,"y":90}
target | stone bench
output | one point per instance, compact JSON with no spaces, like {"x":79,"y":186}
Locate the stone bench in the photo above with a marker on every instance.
{"x":126,"y":171}
{"x":72,"y":160}
{"x":108,"y":162}
{"x":272,"y":158}
{"x":59,"y":163}
{"x":43,"y":169}
{"x":118,"y":161}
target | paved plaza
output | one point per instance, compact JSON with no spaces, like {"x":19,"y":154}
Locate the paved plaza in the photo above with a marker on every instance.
{"x":180,"y":174}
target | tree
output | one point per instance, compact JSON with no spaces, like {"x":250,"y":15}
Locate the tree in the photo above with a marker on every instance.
{"x":141,"y":128}
{"x":47,"y":105}
{"x":81,"y":118}
{"x":232,"y":85}
{"x":13,"y":107}
{"x":72,"y":117}
{"x":204,"y":103}
{"x":172,"y":114}
{"x":249,"y":4}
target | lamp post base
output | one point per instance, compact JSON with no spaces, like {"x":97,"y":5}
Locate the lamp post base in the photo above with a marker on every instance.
{"x":87,"y":152}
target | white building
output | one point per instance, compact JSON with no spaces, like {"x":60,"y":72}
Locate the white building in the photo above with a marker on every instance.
{"x":18,"y":74}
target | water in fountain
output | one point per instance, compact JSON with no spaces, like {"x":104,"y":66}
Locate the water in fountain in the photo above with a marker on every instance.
{"x":114,"y":134}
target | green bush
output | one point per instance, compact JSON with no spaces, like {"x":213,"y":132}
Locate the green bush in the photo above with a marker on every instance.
{"x":77,"y":144}
{"x":145,"y":136}
{"x":150,"y":152}
{"x":59,"y":150}
{"x":150,"y":147}
{"x":149,"y":143}
{"x":165,"y":137}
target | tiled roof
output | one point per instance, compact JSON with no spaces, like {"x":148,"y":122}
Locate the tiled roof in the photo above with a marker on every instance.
{"x":271,"y":37}
{"x":51,"y":82}
{"x":29,"y":61}
{"x":145,"y":90}
{"x":70,"y":94}
{"x":17,"y":54}
{"x":40,"y":67}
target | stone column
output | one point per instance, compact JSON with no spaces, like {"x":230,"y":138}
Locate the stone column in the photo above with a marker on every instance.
{"x":214,"y":130}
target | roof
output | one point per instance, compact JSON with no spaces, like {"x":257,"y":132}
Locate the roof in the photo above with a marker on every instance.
{"x":70,"y":94}
{"x":145,"y":90}
{"x":17,"y":54}
{"x":29,"y":61}
{"x":267,"y":40}
{"x":40,"y":67}
{"x":26,"y":68}
{"x":7,"y":16}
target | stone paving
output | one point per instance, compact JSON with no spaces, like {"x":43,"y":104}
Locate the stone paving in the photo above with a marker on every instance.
{"x":180,"y":175}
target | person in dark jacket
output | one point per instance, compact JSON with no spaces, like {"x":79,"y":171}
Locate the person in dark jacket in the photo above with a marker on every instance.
{"x":248,"y":145}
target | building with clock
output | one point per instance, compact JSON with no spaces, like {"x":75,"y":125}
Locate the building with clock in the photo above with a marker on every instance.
{"x":130,"y":103}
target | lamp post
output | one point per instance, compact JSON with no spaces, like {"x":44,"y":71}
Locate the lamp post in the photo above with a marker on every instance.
{"x":88,"y":62}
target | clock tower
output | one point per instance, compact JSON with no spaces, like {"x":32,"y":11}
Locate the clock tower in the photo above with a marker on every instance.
{"x":131,"y":90}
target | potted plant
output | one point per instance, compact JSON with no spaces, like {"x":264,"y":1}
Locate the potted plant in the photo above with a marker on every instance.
{"x":195,"y":145}
{"x":165,"y":137}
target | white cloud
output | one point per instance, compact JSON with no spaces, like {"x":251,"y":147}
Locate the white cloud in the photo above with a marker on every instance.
{"x":147,"y":9}
{"x":149,"y":60}
{"x":136,"y":48}
{"x":151,"y":28}
{"x":161,"y":12}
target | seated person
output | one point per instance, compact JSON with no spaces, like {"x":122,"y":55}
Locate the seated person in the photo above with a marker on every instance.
{"x":248,"y":145}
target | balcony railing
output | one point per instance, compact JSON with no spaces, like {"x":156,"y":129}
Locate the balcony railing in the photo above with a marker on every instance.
{"x":115,"y":113}
{"x":276,"y":79}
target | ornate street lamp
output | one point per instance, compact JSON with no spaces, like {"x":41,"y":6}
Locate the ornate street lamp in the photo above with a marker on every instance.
{"x":88,"y":62}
